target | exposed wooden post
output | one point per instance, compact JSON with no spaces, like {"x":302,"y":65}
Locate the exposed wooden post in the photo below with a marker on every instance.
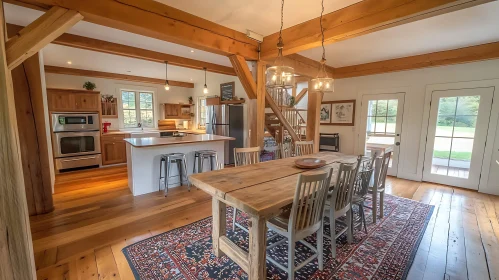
{"x":244,"y":74}
{"x":33,"y":141}
{"x":259,"y":107}
{"x":314,"y":117}
{"x":16,"y":247}
{"x":39,"y":33}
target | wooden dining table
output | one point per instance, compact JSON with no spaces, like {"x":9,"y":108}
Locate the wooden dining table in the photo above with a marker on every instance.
{"x":260,"y":190}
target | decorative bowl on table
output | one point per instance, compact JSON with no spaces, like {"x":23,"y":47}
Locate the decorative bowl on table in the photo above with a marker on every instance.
{"x":309,"y":163}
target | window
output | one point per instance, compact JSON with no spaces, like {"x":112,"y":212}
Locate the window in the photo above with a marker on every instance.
{"x":201,"y":112}
{"x":137,"y":108}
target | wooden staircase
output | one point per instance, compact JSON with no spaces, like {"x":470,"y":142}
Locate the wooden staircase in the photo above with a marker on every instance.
{"x":284,"y":121}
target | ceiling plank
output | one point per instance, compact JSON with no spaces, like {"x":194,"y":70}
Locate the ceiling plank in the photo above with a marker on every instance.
{"x":244,"y":74}
{"x":39,"y":33}
{"x":358,"y":19}
{"x":156,"y":20}
{"x":113,"y":76}
{"x":91,"y":44}
{"x":457,"y":56}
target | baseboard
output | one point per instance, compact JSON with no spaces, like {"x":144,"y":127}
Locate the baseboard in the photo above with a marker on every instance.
{"x":409,"y":176}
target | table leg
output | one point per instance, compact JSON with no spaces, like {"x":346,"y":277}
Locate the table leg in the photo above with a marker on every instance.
{"x":219,"y":225}
{"x":257,"y":247}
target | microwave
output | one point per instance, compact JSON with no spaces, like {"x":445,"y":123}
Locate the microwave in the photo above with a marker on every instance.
{"x":75,"y":122}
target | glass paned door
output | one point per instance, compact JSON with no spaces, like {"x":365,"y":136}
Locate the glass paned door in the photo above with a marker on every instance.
{"x":381,"y":126}
{"x":457,"y":132}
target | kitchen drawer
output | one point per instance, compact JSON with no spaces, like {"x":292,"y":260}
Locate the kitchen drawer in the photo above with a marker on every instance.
{"x":114,"y":137}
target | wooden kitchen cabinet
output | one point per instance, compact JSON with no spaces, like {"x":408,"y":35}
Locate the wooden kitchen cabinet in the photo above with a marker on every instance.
{"x":177,"y":111}
{"x":113,"y":148}
{"x":73,"y":100}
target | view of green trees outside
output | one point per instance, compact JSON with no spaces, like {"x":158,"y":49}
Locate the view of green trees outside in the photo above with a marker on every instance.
{"x":456,"y":121}
{"x":382,"y":116}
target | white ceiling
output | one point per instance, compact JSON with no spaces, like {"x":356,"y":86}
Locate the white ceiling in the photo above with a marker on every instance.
{"x":260,"y":16}
{"x":463,"y":28}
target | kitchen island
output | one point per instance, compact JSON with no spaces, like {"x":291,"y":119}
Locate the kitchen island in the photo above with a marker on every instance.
{"x":144,"y":155}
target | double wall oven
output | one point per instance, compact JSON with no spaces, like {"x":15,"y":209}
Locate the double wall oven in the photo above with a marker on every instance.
{"x":76,"y":140}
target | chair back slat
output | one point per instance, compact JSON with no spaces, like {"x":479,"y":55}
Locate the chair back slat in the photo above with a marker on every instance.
{"x":362,"y":182}
{"x":304,"y":148}
{"x":246,"y":156}
{"x":380,"y":177}
{"x":344,"y":185}
{"x":275,"y":150}
{"x":286,"y":150}
{"x":310,"y":196}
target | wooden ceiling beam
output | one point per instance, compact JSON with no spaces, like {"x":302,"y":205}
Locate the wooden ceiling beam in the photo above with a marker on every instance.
{"x":91,"y":44}
{"x":113,"y":76}
{"x":244,"y":74}
{"x":358,"y":19}
{"x":156,"y":20}
{"x":457,"y":56}
{"x":39,"y":33}
{"x":304,"y":66}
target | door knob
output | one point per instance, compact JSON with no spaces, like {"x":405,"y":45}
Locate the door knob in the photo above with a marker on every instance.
{"x":397,"y":143}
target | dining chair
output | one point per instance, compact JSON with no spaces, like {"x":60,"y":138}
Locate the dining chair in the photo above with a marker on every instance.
{"x":286,"y":150}
{"x":274,"y":150}
{"x":244,"y":156}
{"x":303,"y":219}
{"x":380,"y":171}
{"x":304,"y":148}
{"x":338,"y":203}
{"x":361,"y":188}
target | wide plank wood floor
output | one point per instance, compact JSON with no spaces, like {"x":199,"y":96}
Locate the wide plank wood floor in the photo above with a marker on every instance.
{"x":96,"y":216}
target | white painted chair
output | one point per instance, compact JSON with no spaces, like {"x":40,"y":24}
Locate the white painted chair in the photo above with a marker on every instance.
{"x":339,"y":202}
{"x":244,"y":156}
{"x":304,"y":148}
{"x":303,"y":219}
{"x":286,"y":150}
{"x":360,"y":191}
{"x":380,"y":171}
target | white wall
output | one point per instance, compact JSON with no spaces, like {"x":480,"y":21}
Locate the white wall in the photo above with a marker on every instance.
{"x":414,"y":83}
{"x":174,"y":95}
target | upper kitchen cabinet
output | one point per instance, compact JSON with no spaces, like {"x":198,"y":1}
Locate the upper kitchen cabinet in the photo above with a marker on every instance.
{"x":73,"y":100}
{"x":177,"y":111}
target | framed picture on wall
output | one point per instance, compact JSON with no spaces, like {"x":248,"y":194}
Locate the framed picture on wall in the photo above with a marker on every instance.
{"x":342,"y":112}
{"x":325,"y":113}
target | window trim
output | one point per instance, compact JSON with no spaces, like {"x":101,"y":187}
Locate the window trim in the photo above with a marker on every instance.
{"x":137,"y":107}
{"x":198,"y":111}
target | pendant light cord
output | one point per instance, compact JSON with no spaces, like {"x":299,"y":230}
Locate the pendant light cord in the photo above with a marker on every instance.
{"x":204,"y":76}
{"x":166,"y":65}
{"x":280,"y":43}
{"x":322,"y":32}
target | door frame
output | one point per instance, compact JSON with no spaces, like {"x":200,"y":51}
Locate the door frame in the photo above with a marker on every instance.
{"x":491,"y":132}
{"x":358,"y":147}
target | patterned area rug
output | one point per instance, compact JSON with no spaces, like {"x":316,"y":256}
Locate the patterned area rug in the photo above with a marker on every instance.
{"x":385,"y":252}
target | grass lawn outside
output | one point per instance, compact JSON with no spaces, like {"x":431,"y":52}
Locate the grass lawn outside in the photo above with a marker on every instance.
{"x":454,"y":156}
{"x":463,"y":131}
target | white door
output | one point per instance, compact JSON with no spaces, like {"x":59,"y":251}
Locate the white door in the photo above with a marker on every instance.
{"x":457,"y":131}
{"x":382,"y":124}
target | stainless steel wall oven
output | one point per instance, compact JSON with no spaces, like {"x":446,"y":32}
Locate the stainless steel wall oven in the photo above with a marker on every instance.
{"x":76,"y":140}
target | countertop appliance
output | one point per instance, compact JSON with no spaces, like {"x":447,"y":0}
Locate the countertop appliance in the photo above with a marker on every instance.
{"x":227,"y":120}
{"x":329,"y":142}
{"x":76,"y":140}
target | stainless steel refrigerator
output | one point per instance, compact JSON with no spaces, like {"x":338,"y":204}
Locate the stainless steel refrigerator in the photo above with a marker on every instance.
{"x":227,"y":120}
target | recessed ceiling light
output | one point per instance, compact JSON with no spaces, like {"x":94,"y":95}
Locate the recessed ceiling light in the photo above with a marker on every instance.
{"x":70,"y":62}
{"x":192,"y":51}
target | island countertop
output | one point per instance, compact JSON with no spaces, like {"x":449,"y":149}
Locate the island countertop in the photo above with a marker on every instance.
{"x":157,"y":141}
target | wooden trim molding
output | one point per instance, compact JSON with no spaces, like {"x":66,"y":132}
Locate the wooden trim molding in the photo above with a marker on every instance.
{"x":244,"y":74}
{"x":156,"y":20}
{"x":457,"y":56}
{"x":39,"y":33}
{"x":358,"y":19}
{"x":113,"y":76}
{"x":91,"y":44}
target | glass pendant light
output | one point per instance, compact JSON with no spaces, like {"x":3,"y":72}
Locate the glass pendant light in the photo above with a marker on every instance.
{"x":205,"y":90}
{"x":280,"y":76}
{"x":322,"y":82}
{"x":167,"y":85}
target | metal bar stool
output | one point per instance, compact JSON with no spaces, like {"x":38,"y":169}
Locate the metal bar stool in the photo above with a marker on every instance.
{"x":200,"y":156}
{"x":179,"y":159}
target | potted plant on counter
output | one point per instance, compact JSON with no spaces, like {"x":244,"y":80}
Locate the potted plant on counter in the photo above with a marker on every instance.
{"x":190,"y":99}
